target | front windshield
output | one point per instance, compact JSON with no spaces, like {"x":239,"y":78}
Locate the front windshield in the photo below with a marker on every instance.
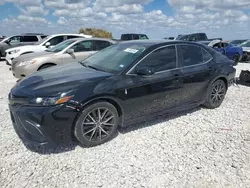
{"x":61,"y":46}
{"x":41,"y":41}
{"x":116,"y":58}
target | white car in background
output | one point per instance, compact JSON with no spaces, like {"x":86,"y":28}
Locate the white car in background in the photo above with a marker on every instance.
{"x":40,"y":46}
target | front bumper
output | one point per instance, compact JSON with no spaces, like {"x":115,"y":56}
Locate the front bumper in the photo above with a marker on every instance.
{"x":9,"y":58}
{"x":23,"y":71}
{"x":40,"y":126}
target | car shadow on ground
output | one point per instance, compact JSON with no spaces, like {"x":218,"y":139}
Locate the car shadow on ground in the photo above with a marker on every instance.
{"x":47,"y":150}
{"x":151,"y":121}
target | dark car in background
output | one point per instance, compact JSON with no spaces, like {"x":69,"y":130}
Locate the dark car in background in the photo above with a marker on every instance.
{"x":126,"y":83}
{"x":133,"y":36}
{"x":195,"y":37}
{"x":19,"y":40}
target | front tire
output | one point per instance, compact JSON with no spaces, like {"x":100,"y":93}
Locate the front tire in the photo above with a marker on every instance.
{"x":97,"y":124}
{"x":216,"y":94}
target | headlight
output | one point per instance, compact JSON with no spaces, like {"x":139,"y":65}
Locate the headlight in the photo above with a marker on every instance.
{"x":14,"y":51}
{"x":23,"y":63}
{"x":49,"y":101}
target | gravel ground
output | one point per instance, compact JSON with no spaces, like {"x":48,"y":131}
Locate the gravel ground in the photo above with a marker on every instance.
{"x":202,"y":148}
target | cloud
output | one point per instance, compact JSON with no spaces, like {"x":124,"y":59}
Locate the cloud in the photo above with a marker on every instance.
{"x":215,"y":17}
{"x":34,"y":10}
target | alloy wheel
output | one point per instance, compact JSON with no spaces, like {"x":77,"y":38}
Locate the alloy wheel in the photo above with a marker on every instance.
{"x":218,"y":93}
{"x":98,"y":124}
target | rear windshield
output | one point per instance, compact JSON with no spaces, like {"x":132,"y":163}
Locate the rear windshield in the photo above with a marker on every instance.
{"x":126,"y":37}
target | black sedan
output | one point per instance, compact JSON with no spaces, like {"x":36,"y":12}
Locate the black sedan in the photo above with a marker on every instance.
{"x":118,"y":86}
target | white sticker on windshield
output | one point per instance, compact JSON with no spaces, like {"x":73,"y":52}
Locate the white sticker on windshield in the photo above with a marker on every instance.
{"x":121,"y":66}
{"x":130,"y":50}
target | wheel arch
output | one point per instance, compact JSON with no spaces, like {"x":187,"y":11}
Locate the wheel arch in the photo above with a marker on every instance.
{"x":223,"y":78}
{"x":110,"y":99}
{"x":26,"y":53}
{"x":39,"y":68}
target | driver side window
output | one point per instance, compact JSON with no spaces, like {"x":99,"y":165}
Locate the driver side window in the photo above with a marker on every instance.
{"x":83,"y":46}
{"x":160,"y":60}
{"x":15,"y":39}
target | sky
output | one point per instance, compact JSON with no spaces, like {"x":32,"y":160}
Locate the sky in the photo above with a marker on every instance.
{"x":228,"y":19}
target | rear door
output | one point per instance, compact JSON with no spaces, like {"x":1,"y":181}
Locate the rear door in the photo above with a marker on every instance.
{"x":145,"y":95}
{"x":195,"y":64}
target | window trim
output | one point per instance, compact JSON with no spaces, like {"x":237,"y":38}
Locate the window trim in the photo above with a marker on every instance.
{"x":202,"y":57}
{"x":176,"y":63}
{"x":177,"y":60}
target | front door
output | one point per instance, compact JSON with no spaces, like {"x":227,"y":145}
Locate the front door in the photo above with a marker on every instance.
{"x":146,"y":95}
{"x":82,"y":50}
{"x":196,"y":68}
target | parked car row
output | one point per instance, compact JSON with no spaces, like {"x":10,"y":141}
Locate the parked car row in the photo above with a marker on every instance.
{"x":122,"y":84}
{"x":19,"y":40}
{"x":69,"y":51}
{"x":41,"y":45}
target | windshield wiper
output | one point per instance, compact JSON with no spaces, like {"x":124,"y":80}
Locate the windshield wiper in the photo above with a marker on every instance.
{"x":89,"y":66}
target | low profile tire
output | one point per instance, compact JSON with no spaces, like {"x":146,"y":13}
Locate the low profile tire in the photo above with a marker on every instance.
{"x":97,"y":124}
{"x":216,"y":94}
{"x":45,"y":66}
{"x":236,"y":59}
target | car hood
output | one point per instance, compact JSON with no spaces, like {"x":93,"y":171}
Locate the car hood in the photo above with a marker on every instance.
{"x":27,"y":47}
{"x":58,"y":79}
{"x":30,"y":56}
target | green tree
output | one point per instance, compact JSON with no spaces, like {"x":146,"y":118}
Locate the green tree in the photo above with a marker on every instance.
{"x":99,"y":33}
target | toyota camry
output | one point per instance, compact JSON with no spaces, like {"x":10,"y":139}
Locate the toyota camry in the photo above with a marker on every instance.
{"x":121,"y":85}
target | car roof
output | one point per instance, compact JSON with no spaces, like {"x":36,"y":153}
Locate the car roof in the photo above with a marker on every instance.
{"x":156,"y":42}
{"x":133,"y":34}
{"x":72,"y":34}
{"x":83,"y":39}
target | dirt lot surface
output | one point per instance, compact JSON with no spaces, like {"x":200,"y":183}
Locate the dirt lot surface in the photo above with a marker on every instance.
{"x":202,"y":148}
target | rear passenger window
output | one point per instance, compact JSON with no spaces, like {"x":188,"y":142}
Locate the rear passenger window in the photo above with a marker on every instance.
{"x":30,"y":39}
{"x":56,"y":40}
{"x":161,"y":59}
{"x":206,"y":56}
{"x":191,"y":55}
{"x":101,"y":44}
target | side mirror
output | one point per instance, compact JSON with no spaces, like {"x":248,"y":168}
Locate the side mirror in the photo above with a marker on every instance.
{"x":47,"y":44}
{"x":70,"y":51}
{"x":144,"y":71}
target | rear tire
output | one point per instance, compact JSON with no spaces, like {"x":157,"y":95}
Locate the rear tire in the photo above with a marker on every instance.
{"x":97,"y":124}
{"x":216,"y":94}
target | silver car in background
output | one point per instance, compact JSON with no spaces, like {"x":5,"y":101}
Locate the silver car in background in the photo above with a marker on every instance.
{"x":69,"y":51}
